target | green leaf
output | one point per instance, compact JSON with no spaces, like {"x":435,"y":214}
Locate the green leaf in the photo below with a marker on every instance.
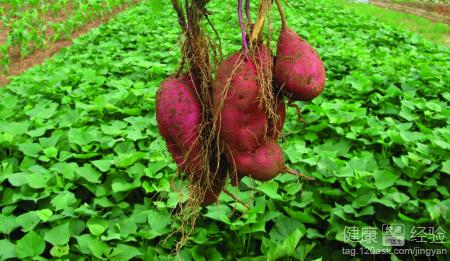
{"x":7,"y":249}
{"x":435,"y":210}
{"x":124,"y":252}
{"x":16,"y":128}
{"x":89,"y":245}
{"x":59,"y":251}
{"x":102,"y":165}
{"x":285,"y":226}
{"x":44,"y":214}
{"x":121,"y":185}
{"x":44,"y":109}
{"x":28,"y":221}
{"x":384,"y":179}
{"x":37,"y":181}
{"x":82,"y":136}
{"x":30,"y":245}
{"x":63,"y":200}
{"x":89,"y":173}
{"x":158,"y":221}
{"x":270,"y":188}
{"x":434,"y":106}
{"x":51,"y":152}
{"x":126,"y":160}
{"x":9,"y":223}
{"x":58,"y":235}
{"x":446,"y":167}
{"x":156,"y":6}
{"x":30,"y":149}
{"x":219,"y":213}
{"x":97,"y":226}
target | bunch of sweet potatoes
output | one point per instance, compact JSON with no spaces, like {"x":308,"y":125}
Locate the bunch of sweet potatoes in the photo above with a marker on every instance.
{"x":248,"y":108}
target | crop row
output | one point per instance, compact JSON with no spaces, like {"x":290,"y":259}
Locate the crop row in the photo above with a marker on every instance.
{"x":31,"y":25}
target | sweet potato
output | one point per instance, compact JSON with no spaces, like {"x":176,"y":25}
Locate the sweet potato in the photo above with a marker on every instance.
{"x":243,"y":122}
{"x":179,"y":115}
{"x":265,"y":163}
{"x":245,"y":130}
{"x":298,"y":67}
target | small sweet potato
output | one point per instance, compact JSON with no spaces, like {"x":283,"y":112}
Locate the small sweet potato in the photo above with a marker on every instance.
{"x":265,"y":163}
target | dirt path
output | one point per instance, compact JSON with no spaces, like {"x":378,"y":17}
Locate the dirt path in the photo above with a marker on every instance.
{"x":19,"y":65}
{"x":434,"y":12}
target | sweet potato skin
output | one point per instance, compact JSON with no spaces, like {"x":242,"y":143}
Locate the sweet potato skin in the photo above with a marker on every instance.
{"x":298,"y":67}
{"x":179,"y":115}
{"x":264,"y":164}
{"x":243,"y":122}
{"x":249,"y":137}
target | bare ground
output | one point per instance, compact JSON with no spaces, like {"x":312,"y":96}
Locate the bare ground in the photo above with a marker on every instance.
{"x":434,"y":12}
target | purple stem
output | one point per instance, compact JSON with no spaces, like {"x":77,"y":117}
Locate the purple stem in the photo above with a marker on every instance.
{"x":241,"y":23}
{"x":187,"y":13}
{"x":247,"y":10}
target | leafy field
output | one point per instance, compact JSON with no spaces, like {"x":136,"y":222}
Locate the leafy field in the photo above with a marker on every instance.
{"x":27,"y":25}
{"x":84,"y":172}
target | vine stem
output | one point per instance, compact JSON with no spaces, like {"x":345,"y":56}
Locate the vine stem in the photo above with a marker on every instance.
{"x":283,"y":17}
{"x":187,"y":12}
{"x":179,"y":10}
{"x":264,"y":8}
{"x":296,"y":173}
{"x":299,"y":111}
{"x":241,"y":23}
{"x":247,"y":11}
{"x":235,"y":198}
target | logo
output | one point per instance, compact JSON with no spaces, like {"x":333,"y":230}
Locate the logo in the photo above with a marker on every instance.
{"x":393,"y":235}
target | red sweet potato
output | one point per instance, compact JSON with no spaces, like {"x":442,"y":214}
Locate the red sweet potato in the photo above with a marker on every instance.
{"x":243,"y":122}
{"x":245,"y":129}
{"x":298,"y":67}
{"x":179,"y":115}
{"x":265,"y":163}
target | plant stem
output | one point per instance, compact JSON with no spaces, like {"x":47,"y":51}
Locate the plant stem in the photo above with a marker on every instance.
{"x":296,"y":173}
{"x":247,"y":11}
{"x":283,"y":17}
{"x":187,"y":14}
{"x":264,"y":8}
{"x":179,"y":10}
{"x":241,"y":23}
{"x":235,"y":198}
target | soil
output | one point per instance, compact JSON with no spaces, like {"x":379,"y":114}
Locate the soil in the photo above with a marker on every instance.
{"x":18,"y":65}
{"x":434,"y":12}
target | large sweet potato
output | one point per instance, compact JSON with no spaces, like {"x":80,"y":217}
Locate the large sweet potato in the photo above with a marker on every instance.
{"x":298,"y":67}
{"x":243,"y":122}
{"x":248,"y":135}
{"x":179,"y":115}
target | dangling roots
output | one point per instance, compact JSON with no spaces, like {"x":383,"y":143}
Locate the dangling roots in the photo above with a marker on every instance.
{"x":197,"y":50}
{"x":200,"y":57}
{"x":264,"y":67}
